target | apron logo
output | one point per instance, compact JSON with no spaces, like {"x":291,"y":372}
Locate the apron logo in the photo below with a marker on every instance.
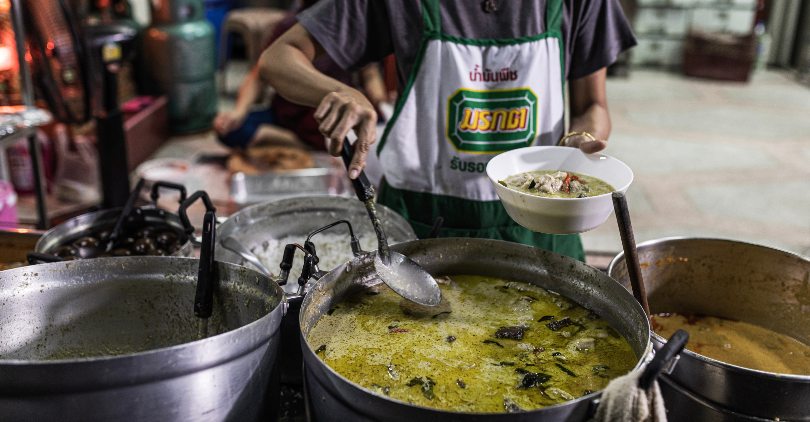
{"x":491,"y":121}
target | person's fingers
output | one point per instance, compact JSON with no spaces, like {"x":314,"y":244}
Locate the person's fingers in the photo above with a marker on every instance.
{"x":366,"y":135}
{"x":327,"y":125}
{"x":349,"y":118}
{"x":324,"y":106}
{"x":590,"y":147}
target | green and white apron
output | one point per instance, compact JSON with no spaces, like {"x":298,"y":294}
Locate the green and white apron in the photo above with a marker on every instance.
{"x":467,"y":100}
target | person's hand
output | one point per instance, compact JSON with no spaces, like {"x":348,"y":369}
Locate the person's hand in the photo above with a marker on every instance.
{"x":227,"y":121}
{"x":342,"y":111}
{"x":588,"y":144}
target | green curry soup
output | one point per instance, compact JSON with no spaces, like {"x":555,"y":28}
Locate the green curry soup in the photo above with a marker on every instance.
{"x":492,"y":345}
{"x":557,"y":184}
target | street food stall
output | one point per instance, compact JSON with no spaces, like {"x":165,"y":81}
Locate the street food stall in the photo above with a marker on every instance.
{"x":272,"y":283}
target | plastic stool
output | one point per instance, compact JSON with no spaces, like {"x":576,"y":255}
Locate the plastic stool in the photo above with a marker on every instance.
{"x":255,"y":25}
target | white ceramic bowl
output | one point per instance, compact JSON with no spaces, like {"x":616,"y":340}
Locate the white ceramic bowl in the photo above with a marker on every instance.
{"x":558,"y":215}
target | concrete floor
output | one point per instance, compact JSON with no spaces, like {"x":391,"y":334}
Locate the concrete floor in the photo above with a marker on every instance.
{"x":711,"y":159}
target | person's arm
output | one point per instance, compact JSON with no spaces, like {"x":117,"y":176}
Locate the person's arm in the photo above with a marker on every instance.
{"x":374,"y":84}
{"x":249,"y":92}
{"x":589,"y":112}
{"x":287,"y":66}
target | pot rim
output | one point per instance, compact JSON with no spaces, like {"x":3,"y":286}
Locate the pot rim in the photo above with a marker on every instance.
{"x":710,"y":361}
{"x":170,"y":350}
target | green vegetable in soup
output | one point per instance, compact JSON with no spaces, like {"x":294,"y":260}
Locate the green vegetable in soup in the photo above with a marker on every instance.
{"x":491,"y":346}
{"x":557,"y":184}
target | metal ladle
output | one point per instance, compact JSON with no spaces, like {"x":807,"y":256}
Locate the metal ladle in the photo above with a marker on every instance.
{"x":238,"y":248}
{"x":397,"y":271}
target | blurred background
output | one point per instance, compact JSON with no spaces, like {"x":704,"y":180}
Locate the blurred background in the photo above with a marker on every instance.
{"x":710,"y":110}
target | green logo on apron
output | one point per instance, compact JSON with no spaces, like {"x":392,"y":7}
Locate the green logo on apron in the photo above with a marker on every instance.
{"x":491,"y":121}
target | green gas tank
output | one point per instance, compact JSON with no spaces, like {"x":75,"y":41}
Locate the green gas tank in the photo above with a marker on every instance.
{"x":179,"y":55}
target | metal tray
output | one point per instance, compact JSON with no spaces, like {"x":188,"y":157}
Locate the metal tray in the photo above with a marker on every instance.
{"x":328,"y":177}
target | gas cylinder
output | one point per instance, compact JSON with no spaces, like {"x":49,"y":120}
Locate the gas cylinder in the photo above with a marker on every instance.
{"x":179,"y":51}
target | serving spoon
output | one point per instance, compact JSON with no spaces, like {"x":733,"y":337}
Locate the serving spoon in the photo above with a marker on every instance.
{"x":397,"y":271}
{"x":238,"y":248}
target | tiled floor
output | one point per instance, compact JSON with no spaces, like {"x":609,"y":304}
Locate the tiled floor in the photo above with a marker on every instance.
{"x":710,"y":159}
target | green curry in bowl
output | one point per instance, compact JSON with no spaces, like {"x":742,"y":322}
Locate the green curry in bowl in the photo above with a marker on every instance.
{"x":492,"y":346}
{"x":557,"y":184}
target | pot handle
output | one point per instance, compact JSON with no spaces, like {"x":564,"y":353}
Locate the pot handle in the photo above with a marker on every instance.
{"x":182,"y":211}
{"x":35,"y":258}
{"x":207,"y":273}
{"x":663,"y":359}
{"x":155,"y":194}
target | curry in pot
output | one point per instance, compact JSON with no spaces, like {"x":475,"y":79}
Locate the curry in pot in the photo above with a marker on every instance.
{"x":738,"y":343}
{"x":491,"y":346}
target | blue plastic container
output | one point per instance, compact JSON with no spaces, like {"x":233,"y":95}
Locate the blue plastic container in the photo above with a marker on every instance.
{"x":215,"y":12}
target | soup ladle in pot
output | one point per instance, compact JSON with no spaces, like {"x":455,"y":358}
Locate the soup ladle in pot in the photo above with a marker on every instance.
{"x":397,"y":271}
{"x":238,"y":248}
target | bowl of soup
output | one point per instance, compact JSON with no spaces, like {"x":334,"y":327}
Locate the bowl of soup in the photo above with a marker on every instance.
{"x":558,"y":190}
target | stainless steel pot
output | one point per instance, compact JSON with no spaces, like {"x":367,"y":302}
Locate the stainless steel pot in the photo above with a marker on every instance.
{"x":740,"y":281}
{"x":333,"y":397}
{"x":132,"y":320}
{"x":84,"y":224}
{"x":259,"y":228}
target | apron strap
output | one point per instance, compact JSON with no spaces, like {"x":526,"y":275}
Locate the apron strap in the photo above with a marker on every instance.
{"x":432,"y":18}
{"x":554,"y":13}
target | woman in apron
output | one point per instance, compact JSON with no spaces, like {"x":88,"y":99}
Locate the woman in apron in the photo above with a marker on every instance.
{"x":465,"y":100}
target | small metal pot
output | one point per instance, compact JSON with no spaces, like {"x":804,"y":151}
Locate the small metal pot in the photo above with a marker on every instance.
{"x":740,"y":281}
{"x":132,"y":318}
{"x":105,"y":220}
{"x":334,"y":397}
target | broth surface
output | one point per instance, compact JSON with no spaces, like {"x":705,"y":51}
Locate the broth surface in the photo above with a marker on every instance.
{"x":557,"y":184}
{"x":491,"y":346}
{"x":738,"y":343}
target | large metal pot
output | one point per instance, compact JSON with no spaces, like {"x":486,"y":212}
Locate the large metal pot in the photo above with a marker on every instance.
{"x":333,"y":397}
{"x":259,"y":227}
{"x":132,"y":318}
{"x":739,"y":281}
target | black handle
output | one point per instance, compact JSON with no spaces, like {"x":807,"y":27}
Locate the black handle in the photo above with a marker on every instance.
{"x":286,"y":263}
{"x":119,"y":223}
{"x":630,"y":252}
{"x":663,"y":358}
{"x":42,"y":258}
{"x":206,"y":276}
{"x":209,"y":206}
{"x":362,"y":187}
{"x":155,"y":194}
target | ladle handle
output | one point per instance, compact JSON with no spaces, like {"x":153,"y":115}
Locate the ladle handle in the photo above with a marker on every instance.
{"x":155,"y":194}
{"x":630,"y":253}
{"x":206,"y":276}
{"x":362,"y":187}
{"x":35,"y":258}
{"x":125,"y":212}
{"x":663,"y":359}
